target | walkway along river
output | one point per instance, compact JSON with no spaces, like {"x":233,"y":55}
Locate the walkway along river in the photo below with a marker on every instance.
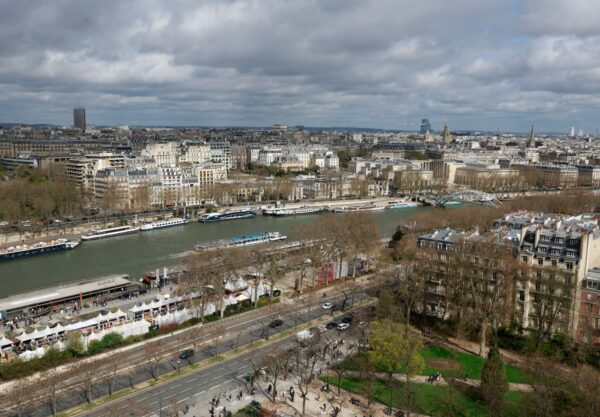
{"x":144,"y":251}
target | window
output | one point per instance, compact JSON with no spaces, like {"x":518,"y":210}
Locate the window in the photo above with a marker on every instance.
{"x":569,"y":266}
{"x":540,"y":262}
{"x":521,"y":295}
{"x":554,"y":262}
{"x":525,"y":258}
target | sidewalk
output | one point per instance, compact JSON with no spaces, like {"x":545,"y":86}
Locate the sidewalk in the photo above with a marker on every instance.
{"x":422,"y":379}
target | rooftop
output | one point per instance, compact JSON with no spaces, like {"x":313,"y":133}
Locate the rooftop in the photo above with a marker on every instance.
{"x":62,"y":291}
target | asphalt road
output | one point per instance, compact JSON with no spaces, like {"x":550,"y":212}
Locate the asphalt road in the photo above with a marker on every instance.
{"x":241,"y":330}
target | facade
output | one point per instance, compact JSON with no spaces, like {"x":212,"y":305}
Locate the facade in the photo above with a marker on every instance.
{"x":589,"y":309}
{"x":220,"y":151}
{"x":554,"y":252}
{"x":588,"y":175}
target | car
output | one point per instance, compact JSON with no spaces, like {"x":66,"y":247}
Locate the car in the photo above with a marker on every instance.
{"x":347,"y":319}
{"x":188,"y":353}
{"x":331,"y":325}
{"x":343,"y":326}
{"x":275,"y":323}
{"x":363,"y":324}
{"x":328,"y":306}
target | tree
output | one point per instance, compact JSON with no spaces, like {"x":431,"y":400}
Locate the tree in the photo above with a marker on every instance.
{"x":87,"y":371}
{"x":276,"y":362}
{"x":19,"y":396}
{"x":392,"y":350}
{"x":50,"y":382}
{"x":307,"y":357}
{"x":494,"y":384}
{"x":114,"y":363}
{"x":220,"y":332}
{"x":154,"y":351}
{"x":362,"y":235}
{"x":194,"y":336}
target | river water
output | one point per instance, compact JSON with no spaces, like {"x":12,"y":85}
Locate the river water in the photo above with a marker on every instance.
{"x":145,"y":251}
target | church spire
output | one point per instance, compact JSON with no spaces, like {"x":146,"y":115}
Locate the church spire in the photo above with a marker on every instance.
{"x":531,"y":143}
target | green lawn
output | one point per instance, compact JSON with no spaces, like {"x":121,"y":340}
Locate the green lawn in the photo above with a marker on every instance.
{"x":466,"y":364}
{"x":434,"y":400}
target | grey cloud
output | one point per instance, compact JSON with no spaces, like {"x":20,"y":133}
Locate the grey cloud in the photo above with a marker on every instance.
{"x":378,"y":63}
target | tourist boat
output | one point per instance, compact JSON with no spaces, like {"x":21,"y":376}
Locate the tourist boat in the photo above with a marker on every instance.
{"x":176,"y":221}
{"x":409,"y":204}
{"x":110,"y":232}
{"x":227,"y":215}
{"x":40,"y":248}
{"x":453,"y":203}
{"x":241,"y":241}
{"x":292,"y":211}
{"x":364,"y":207}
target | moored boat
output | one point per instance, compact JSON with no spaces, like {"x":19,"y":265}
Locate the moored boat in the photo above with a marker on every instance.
{"x":292,"y":211}
{"x":161,"y":224}
{"x":40,"y":248}
{"x":364,"y":207}
{"x":408,"y":204}
{"x":241,"y":241}
{"x":110,"y":232}
{"x":227,"y":215}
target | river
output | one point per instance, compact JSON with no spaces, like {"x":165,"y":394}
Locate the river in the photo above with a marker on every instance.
{"x":145,"y":251}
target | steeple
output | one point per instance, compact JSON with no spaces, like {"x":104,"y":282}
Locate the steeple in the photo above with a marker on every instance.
{"x":531,"y":143}
{"x":446,"y":138}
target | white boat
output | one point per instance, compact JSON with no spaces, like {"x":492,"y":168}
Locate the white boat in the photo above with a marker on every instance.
{"x":110,"y":232}
{"x":176,"y":221}
{"x":292,"y":211}
{"x":227,"y":215}
{"x":365,"y":207}
{"x":39,"y":248}
{"x":247,"y":240}
{"x":409,"y":204}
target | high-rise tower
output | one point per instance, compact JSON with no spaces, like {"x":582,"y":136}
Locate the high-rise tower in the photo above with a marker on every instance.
{"x":79,"y":118}
{"x":425,"y":126}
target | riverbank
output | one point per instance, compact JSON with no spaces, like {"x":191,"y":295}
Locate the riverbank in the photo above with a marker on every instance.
{"x":75,"y":232}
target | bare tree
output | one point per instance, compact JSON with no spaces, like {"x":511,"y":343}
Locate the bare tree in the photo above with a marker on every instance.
{"x":50,"y":382}
{"x":87,"y":372}
{"x":308,"y":357}
{"x":194,"y":336}
{"x":154,"y":352}
{"x":113,"y":365}
{"x":275,"y":362}
{"x":219,"y":332}
{"x":19,"y":397}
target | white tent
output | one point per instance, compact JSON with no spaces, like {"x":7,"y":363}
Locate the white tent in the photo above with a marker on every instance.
{"x":39,"y":352}
{"x":27,"y":355}
{"x":5,"y":342}
{"x":60,"y":346}
{"x":81,"y":325}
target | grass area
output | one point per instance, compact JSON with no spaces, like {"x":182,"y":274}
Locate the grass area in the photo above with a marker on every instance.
{"x":449,"y":363}
{"x":434,"y":400}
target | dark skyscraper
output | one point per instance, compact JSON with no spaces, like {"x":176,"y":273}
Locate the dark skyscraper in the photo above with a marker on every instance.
{"x":79,"y":118}
{"x":425,"y":126}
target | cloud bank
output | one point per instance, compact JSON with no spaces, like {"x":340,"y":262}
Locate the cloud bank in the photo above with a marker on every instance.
{"x":482,"y":64}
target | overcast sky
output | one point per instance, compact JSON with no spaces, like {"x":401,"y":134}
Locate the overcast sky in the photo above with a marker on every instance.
{"x":479,"y":64}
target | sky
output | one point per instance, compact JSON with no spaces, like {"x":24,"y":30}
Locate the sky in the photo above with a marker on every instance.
{"x":475,"y":64}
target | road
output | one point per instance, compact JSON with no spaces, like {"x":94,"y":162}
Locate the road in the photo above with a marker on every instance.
{"x":240,"y":330}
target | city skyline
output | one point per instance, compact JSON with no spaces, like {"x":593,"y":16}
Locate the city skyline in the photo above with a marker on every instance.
{"x":477,"y":65}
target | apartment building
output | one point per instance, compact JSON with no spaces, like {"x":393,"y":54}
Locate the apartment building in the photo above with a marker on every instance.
{"x":555,"y":254}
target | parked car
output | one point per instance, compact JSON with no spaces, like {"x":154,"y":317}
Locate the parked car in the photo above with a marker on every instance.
{"x":275,"y":323}
{"x":328,"y":306}
{"x":331,"y":325}
{"x":343,"y":326}
{"x":347,"y":319}
{"x":188,"y":353}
